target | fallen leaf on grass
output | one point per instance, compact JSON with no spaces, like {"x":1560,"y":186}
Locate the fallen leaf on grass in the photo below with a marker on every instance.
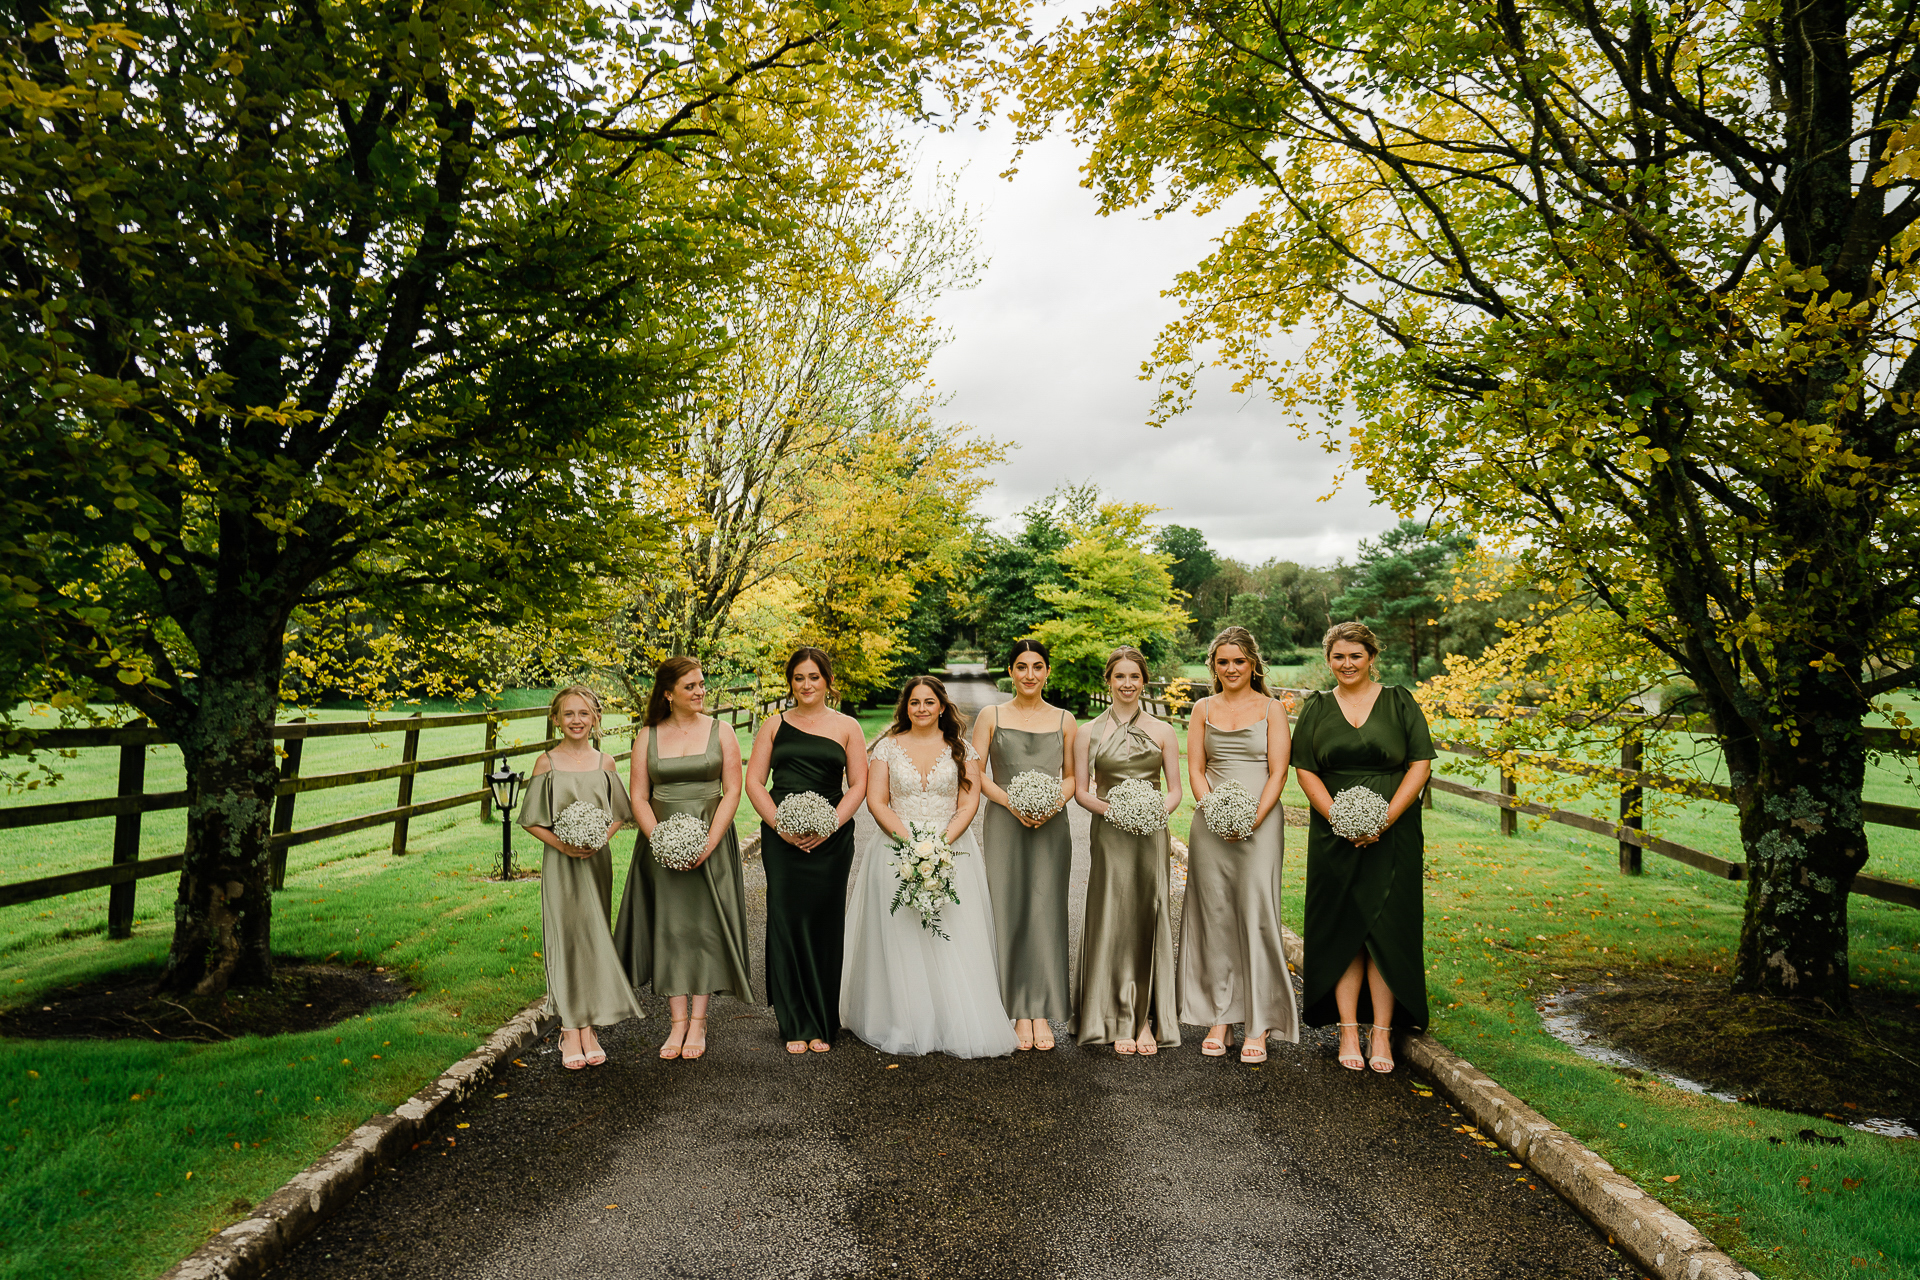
{"x":1672,"y":1177}
{"x":463,"y":1126}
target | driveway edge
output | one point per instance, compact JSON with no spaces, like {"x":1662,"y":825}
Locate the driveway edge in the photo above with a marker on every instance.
{"x":310,"y":1197}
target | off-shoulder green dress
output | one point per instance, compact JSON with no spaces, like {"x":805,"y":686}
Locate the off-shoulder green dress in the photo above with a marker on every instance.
{"x":586,"y":983}
{"x":685,"y":932}
{"x":1364,"y":897}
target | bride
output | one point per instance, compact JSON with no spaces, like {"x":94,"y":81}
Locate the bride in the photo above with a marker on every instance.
{"x":903,"y":988}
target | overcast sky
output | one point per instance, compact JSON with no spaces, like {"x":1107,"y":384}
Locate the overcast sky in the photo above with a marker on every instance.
{"x":1046,"y":351}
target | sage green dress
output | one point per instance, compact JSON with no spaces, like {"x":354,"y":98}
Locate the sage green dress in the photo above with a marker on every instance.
{"x":685,"y":932}
{"x":806,"y":892}
{"x":1126,"y":940}
{"x":1371,"y":897}
{"x":1233,"y":967}
{"x":586,"y":983}
{"x":1027,"y":874}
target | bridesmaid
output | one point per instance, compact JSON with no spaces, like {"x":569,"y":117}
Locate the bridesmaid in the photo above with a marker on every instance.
{"x":1027,"y":861}
{"x":1364,"y":905}
{"x":1232,"y":965}
{"x":685,"y":931}
{"x":1126,"y":942}
{"x":807,"y":748}
{"x":586,"y":985}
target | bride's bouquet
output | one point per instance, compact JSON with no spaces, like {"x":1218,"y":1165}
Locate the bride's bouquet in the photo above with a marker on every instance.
{"x":1033,"y":794}
{"x":1357,"y":813}
{"x":1135,"y":807}
{"x":1230,"y":810}
{"x":807,"y":813}
{"x":923,"y":861}
{"x":583,"y":824}
{"x":679,"y":841}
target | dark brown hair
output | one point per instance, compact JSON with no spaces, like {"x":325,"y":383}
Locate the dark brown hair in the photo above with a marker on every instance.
{"x":665,"y":681}
{"x":1243,"y":639}
{"x":952,"y":727}
{"x":818,"y":657}
{"x":1028,"y":646}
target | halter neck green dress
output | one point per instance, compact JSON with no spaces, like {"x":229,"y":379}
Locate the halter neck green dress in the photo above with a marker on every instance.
{"x":586,"y":983}
{"x":806,"y":892}
{"x":685,"y":932}
{"x":1126,"y":941}
{"x":1027,"y":875}
{"x":1369,"y":897}
{"x":1232,"y":965}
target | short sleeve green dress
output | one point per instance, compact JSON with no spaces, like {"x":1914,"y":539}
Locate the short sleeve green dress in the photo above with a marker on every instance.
{"x":587,"y":985}
{"x":1369,"y":897}
{"x":685,"y":932}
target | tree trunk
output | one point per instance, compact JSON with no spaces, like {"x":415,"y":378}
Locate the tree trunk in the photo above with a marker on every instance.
{"x":222,"y":918}
{"x":1800,"y":823}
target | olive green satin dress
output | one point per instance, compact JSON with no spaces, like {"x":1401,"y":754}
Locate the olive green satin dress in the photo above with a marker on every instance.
{"x":586,"y":983}
{"x":1126,"y":941}
{"x":1027,"y":874}
{"x":1233,"y":967}
{"x":806,"y":893}
{"x":685,"y":932}
{"x":1371,"y":897}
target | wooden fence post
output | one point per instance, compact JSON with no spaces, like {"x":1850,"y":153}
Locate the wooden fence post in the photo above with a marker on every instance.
{"x":126,"y":839}
{"x":1631,"y":798}
{"x":1426,"y":795}
{"x":409,"y":752}
{"x":1509,"y":819}
{"x":283,"y":805}
{"x":486,"y":770}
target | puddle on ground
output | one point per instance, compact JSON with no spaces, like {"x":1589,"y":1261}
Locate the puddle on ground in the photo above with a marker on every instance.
{"x":1560,"y":1015}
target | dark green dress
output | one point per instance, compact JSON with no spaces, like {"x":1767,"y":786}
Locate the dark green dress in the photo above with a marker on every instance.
{"x":806,"y":893}
{"x":686,"y":931}
{"x":1369,"y":897}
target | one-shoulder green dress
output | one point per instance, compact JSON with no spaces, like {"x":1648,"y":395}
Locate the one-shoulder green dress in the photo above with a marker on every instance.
{"x":586,"y":983}
{"x":1364,"y":897}
{"x":806,"y":893}
{"x":685,"y":932}
{"x":1126,"y":941}
{"x":1027,"y":877}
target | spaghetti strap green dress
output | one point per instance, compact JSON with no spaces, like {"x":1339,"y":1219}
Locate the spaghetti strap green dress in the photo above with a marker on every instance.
{"x":685,"y":932}
{"x":1126,"y":941}
{"x":806,"y":893}
{"x":1369,"y":897}
{"x":586,"y":983}
{"x":1027,"y":874}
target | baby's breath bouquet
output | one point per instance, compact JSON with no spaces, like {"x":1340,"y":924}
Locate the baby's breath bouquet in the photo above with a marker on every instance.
{"x":1033,"y":794}
{"x":923,"y":861}
{"x":583,"y":824}
{"x":1134,"y":806}
{"x":1230,"y":810}
{"x":679,"y":841}
{"x":1357,"y":813}
{"x":807,"y":813}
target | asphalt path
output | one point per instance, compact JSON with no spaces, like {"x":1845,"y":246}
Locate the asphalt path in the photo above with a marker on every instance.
{"x":1077,"y":1162}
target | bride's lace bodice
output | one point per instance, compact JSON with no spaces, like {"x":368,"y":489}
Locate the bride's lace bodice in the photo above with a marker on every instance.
{"x":932,"y":798}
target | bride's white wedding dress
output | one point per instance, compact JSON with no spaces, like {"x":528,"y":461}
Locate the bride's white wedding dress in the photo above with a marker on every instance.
{"x":904,"y":989}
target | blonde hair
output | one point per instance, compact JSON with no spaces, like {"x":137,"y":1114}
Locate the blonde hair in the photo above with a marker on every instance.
{"x":572,"y":691}
{"x":1243,"y":639}
{"x":1356,"y":632}
{"x":1124,"y":653}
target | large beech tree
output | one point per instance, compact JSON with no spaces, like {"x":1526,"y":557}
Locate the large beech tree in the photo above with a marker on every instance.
{"x":310,"y":301}
{"x":1629,"y":284}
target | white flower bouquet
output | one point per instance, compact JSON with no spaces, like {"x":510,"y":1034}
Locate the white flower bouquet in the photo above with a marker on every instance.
{"x":679,"y":841}
{"x":583,"y":824}
{"x":807,"y":813}
{"x":1229,"y":810}
{"x":1135,"y":806}
{"x":923,"y":862}
{"x":1033,"y":794}
{"x":1357,"y":813}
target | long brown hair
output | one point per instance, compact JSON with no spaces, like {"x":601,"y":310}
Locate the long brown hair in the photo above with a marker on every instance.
{"x":575,"y":690}
{"x":952,"y":727}
{"x":819,"y":658}
{"x":665,"y":681}
{"x":1244,"y":641}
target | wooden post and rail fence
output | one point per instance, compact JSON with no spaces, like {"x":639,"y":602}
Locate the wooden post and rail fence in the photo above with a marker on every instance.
{"x":1628,"y":832}
{"x":133,"y":800}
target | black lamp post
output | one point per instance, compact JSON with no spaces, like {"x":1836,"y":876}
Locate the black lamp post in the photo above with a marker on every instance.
{"x":506,"y":790}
